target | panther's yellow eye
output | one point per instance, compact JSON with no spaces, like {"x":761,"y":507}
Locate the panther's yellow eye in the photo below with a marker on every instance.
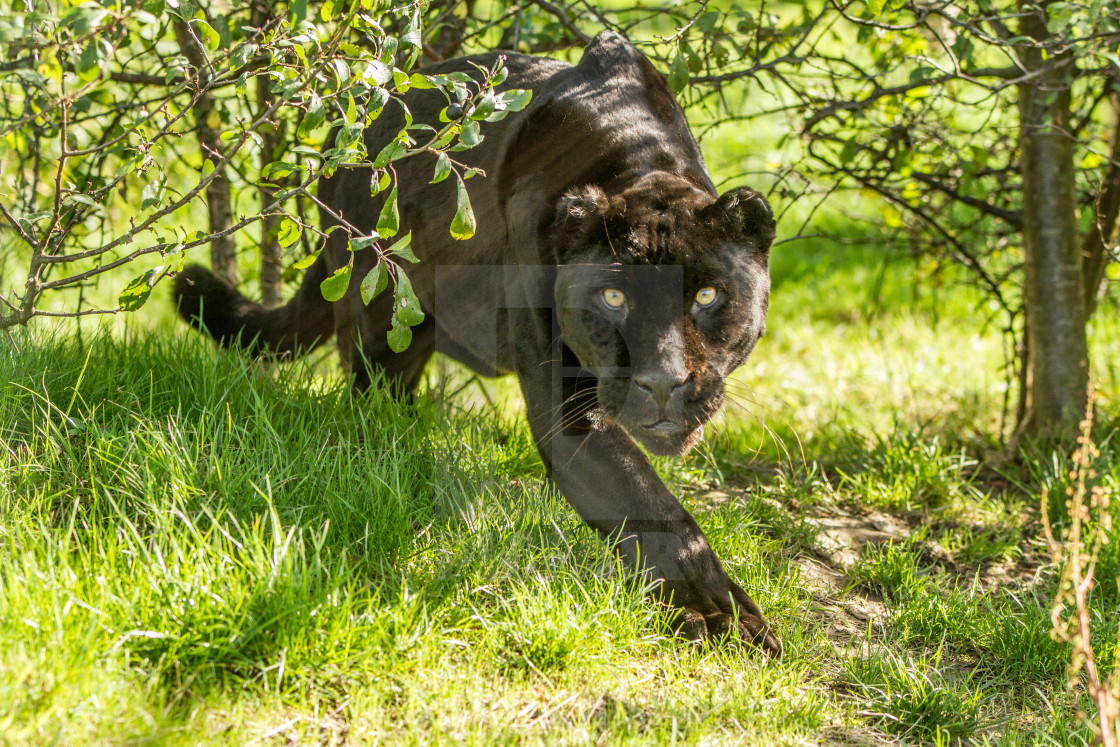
{"x":614,"y":298}
{"x":706,"y":296}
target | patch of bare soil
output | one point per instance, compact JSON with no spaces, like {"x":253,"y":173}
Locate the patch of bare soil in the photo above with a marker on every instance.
{"x":842,"y":538}
{"x":849,"y":616}
{"x":855,"y":618}
{"x":852,"y":736}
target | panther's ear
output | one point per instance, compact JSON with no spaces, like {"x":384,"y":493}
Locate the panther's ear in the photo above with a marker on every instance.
{"x":577,"y":205}
{"x":744,"y":215}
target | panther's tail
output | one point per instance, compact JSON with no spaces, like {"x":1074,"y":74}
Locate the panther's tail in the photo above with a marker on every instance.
{"x":209,"y":304}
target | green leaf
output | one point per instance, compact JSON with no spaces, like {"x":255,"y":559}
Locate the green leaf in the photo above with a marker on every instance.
{"x":348,"y":136}
{"x":921,"y":74}
{"x":83,"y":199}
{"x":411,"y":35}
{"x":399,"y":337}
{"x":351,"y":114}
{"x":516,"y":99}
{"x":963,"y":47}
{"x":316,"y":114}
{"x":692,"y":60}
{"x":443,"y":169}
{"x":509,"y":101}
{"x":280,"y":169}
{"x":335,"y":286}
{"x":406,"y":306}
{"x":389,"y":153}
{"x":211,"y":38}
{"x":302,"y":56}
{"x":136,"y":293}
{"x":359,"y":243}
{"x":403,"y":248}
{"x":241,"y":56}
{"x":484,"y":107}
{"x":891,"y":217}
{"x":376,"y":280}
{"x":376,"y":102}
{"x":389,"y":222}
{"x":471,"y":134}
{"x":462,"y":225}
{"x":133,"y":161}
{"x":152,"y":193}
{"x":297,"y":11}
{"x":707,"y":21}
{"x":341,"y":71}
{"x":289,"y":232}
{"x":306,"y":262}
{"x":90,"y":61}
{"x":377,"y":73}
{"x":444,"y":139}
{"x":1091,"y":160}
{"x":678,"y":73}
{"x":83,"y":18}
{"x":979,"y":156}
{"x":380,"y":184}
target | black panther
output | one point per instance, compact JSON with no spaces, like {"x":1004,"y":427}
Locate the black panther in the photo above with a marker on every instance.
{"x":607,"y":273}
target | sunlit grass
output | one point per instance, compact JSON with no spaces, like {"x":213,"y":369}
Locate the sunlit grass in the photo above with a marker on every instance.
{"x":193,"y":544}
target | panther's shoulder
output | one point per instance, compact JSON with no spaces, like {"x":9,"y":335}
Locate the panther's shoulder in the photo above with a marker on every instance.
{"x":608,"y":120}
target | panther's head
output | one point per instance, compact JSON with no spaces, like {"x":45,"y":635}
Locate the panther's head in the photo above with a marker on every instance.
{"x":662,"y":292}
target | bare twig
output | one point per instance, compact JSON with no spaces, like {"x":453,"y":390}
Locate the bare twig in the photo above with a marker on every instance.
{"x":1090,"y":524}
{"x":564,"y":20}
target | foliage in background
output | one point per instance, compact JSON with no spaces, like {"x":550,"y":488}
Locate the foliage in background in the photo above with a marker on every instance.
{"x":980,"y":133}
{"x":115,"y":117}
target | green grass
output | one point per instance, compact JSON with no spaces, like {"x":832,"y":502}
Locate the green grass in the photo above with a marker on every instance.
{"x":189,"y":542}
{"x":194,"y":547}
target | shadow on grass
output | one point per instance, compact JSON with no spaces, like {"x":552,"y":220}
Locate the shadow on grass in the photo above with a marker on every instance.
{"x":237,"y":524}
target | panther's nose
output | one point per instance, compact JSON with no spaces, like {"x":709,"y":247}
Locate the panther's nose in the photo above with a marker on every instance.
{"x":660,"y":384}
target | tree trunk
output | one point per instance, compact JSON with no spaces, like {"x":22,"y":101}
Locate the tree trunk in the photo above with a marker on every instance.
{"x":1058,"y":367}
{"x":223,"y":254}
{"x":272,"y":256}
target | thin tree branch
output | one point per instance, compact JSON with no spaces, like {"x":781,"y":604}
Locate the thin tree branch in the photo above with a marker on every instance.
{"x":1011,"y":217}
{"x":564,"y":20}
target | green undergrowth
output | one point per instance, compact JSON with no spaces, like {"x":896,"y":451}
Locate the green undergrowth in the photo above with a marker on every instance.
{"x":197,"y":548}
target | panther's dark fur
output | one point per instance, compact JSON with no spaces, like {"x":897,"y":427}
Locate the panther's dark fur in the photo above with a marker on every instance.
{"x":598,"y":188}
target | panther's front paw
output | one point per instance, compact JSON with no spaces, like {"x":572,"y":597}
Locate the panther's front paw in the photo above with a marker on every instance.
{"x":691,"y":624}
{"x":709,"y":616}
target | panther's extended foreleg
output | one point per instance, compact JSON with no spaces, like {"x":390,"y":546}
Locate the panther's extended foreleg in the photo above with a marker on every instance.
{"x":608,"y":480}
